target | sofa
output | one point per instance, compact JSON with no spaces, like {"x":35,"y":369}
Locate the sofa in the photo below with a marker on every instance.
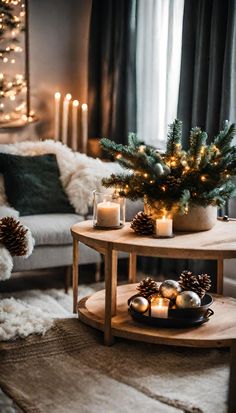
{"x":51,"y":232}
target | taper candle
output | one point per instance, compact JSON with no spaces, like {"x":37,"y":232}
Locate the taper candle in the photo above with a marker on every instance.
{"x":84,"y":134}
{"x":66,"y":105}
{"x":75,"y":105}
{"x":57,"y":101}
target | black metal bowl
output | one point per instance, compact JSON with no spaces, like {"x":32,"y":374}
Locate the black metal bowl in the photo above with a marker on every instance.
{"x":178,"y":317}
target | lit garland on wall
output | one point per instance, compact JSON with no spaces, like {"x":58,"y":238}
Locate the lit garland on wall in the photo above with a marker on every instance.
{"x":13,"y":83}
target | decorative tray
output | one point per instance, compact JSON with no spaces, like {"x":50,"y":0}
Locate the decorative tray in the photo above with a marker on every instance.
{"x":179,"y":317}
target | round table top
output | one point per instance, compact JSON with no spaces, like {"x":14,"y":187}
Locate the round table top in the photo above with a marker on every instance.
{"x":217,"y":243}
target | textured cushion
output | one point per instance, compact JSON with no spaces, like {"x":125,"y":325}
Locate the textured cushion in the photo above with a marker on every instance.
{"x":33,"y":184}
{"x":51,"y":229}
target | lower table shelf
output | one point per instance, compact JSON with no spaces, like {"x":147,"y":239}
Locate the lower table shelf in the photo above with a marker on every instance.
{"x":217,"y":332}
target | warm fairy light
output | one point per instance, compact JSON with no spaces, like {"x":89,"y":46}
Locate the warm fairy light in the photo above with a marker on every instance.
{"x":203,"y":178}
{"x":142,"y":148}
{"x":173,"y":163}
{"x":145,"y":175}
{"x":228,"y":176}
{"x":163,"y":188}
{"x":151,"y":182}
{"x":118,"y":156}
{"x":84,"y":107}
{"x":5,"y":60}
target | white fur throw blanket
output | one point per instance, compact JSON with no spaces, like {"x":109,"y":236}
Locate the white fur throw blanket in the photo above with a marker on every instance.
{"x":80,"y":174}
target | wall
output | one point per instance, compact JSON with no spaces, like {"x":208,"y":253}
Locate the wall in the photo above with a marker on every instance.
{"x":58,"y":56}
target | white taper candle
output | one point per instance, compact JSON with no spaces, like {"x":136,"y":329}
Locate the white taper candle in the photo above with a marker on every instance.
{"x":57,"y":101}
{"x":75,"y":105}
{"x":84,"y":134}
{"x":66,"y":105}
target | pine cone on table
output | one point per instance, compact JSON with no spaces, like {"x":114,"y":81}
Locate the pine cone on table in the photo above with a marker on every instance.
{"x":147,"y":287}
{"x":197,"y":283}
{"x":142,"y":224}
{"x":13,"y":236}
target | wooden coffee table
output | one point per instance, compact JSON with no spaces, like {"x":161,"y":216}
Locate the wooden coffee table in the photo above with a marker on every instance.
{"x":107,"y":310}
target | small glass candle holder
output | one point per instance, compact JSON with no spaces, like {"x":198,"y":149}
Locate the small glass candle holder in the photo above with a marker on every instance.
{"x":108,"y":210}
{"x":159,"y":306}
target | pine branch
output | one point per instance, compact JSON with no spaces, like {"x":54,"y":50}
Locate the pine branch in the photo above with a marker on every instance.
{"x":224,"y":139}
{"x":173,"y":145}
{"x":197,"y":143}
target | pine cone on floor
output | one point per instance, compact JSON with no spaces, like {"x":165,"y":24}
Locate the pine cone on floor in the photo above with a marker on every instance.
{"x":13,"y":236}
{"x":197,"y":283}
{"x":142,"y":224}
{"x":147,"y":287}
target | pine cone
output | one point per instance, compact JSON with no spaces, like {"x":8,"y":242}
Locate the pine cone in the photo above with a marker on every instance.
{"x":197,"y":283}
{"x":142,"y":224}
{"x":147,"y":287}
{"x":13,"y":236}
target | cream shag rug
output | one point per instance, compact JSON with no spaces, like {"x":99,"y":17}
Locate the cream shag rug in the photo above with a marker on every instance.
{"x":130,"y":377}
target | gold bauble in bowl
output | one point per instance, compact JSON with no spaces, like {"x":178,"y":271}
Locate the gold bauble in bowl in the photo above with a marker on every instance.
{"x":169,"y":289}
{"x":139,"y":304}
{"x":188,"y":299}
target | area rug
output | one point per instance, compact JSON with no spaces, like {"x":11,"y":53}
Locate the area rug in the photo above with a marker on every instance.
{"x":69,"y":370}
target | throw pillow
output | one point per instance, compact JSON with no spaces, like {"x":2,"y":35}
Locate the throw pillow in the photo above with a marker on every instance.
{"x":33,"y":184}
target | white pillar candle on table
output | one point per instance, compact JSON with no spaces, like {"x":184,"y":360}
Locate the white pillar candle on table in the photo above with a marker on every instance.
{"x":160,"y":307}
{"x":57,"y":101}
{"x":75,"y":105}
{"x":164,"y":227}
{"x":65,"y":119}
{"x":84,"y":125}
{"x":108,"y":214}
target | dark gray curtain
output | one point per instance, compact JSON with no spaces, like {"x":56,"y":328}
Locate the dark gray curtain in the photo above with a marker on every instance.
{"x":207,"y":94}
{"x":112,"y":80}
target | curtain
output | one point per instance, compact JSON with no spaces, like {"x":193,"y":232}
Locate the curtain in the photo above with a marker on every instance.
{"x":112,"y":79}
{"x":207,"y":94}
{"x":159,"y":38}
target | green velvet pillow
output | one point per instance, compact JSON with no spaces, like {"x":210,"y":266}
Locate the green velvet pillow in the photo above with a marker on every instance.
{"x":33,"y":185}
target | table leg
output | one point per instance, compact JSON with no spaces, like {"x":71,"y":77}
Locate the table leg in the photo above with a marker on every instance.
{"x":220,"y":275}
{"x":75,"y":273}
{"x":110,"y":292}
{"x":132,"y":267}
{"x":232,"y":380}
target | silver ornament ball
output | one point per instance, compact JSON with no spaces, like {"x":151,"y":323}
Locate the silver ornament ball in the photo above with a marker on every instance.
{"x":158,"y":169}
{"x":139,"y":304}
{"x":188,"y":299}
{"x":170,"y":289}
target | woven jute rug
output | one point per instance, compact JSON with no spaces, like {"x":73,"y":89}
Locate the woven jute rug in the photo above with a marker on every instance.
{"x":69,"y":370}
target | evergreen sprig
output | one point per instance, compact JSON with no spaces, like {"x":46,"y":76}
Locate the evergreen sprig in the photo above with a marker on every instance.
{"x":175,"y":179}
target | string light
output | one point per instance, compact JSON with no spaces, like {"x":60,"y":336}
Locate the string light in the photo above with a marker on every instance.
{"x":203,"y":178}
{"x":142,"y":148}
{"x":12,"y":87}
{"x":118,"y":156}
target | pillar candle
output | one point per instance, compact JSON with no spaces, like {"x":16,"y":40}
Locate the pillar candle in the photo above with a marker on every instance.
{"x":108,"y":214}
{"x":84,"y":124}
{"x":160,"y":307}
{"x":75,"y":106}
{"x":164,"y":227}
{"x":57,"y":101}
{"x":66,"y":105}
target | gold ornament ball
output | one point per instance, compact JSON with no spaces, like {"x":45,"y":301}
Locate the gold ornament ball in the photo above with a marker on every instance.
{"x":170,"y":289}
{"x":188,"y":299}
{"x":139,"y":304}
